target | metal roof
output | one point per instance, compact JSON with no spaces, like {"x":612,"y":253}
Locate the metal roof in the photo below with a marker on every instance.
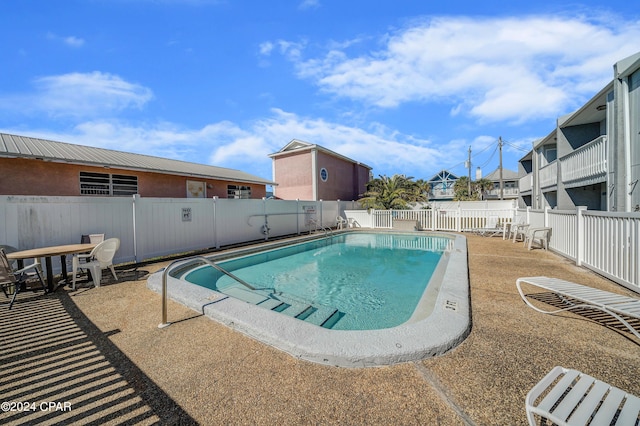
{"x":13,"y":146}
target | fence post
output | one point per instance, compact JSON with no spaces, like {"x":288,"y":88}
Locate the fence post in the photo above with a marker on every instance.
{"x":546,"y":216}
{"x":580,"y":232}
{"x":135,"y":231}
{"x":528,"y":214}
{"x":215,"y":222}
{"x":459,"y":218}
{"x":298,"y":216}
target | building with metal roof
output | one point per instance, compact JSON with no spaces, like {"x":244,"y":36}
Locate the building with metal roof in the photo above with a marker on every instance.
{"x":32,"y":166}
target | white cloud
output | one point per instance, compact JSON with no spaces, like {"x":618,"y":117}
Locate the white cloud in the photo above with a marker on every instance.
{"x":79,"y":95}
{"x":227,"y":144}
{"x":490,"y":68}
{"x":71,"y":41}
{"x":309,"y":4}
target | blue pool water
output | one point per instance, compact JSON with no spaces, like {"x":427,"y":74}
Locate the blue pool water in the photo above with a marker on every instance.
{"x":355,"y":281}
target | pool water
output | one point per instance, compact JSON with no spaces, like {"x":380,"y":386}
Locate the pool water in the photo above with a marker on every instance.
{"x":355,"y":281}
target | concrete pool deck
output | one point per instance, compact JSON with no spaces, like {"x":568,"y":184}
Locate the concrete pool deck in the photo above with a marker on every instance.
{"x":101,"y":350}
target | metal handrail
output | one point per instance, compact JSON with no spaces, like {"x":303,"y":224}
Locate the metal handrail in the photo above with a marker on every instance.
{"x":207,"y":261}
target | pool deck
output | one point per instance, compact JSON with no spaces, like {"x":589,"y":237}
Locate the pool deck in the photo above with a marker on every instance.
{"x":100,"y":350}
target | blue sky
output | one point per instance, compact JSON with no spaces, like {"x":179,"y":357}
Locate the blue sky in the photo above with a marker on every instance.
{"x":404,"y":86}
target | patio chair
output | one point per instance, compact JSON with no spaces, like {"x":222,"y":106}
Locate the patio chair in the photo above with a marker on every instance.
{"x":539,"y":235}
{"x":341,"y":222}
{"x":577,"y":296}
{"x":13,"y":282}
{"x":101,"y":257}
{"x":569,"y":397}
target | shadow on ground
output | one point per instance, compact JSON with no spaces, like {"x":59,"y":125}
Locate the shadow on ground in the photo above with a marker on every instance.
{"x":51,"y":352}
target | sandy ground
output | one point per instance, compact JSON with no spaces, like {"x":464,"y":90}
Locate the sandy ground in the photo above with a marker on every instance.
{"x":98,"y":355}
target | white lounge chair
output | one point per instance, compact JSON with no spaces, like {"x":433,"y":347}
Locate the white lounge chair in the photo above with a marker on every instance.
{"x":491,"y":228}
{"x":569,"y":397}
{"x":579,"y":296}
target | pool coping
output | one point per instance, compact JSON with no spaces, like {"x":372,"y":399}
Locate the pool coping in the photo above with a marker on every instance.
{"x":444,"y":328}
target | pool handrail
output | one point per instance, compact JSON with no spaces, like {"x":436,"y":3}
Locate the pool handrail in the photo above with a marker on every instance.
{"x":164,"y":322}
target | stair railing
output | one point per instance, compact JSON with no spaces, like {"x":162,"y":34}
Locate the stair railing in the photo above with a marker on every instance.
{"x":205,"y":260}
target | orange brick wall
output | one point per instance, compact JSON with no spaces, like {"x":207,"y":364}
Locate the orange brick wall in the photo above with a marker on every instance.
{"x":37,"y":177}
{"x":292,"y":173}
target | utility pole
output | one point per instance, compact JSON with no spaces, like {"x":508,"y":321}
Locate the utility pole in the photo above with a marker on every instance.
{"x":469,"y":177}
{"x":501,"y":181}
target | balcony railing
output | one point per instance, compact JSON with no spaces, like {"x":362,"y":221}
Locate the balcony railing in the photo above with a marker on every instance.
{"x":549,"y":175}
{"x":586,"y":165}
{"x":506,"y":192}
{"x":525,"y":184}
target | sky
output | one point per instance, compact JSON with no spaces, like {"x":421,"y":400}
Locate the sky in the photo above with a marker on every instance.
{"x":404,"y":86}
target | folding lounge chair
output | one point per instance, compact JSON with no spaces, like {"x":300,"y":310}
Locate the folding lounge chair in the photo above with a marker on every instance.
{"x":579,"y":296}
{"x":492,"y":227}
{"x":569,"y":397}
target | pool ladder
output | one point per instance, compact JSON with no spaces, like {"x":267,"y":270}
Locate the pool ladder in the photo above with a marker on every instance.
{"x":208,"y":262}
{"x":327,"y":231}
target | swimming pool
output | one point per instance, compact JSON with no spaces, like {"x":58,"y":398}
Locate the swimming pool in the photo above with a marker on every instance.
{"x":427,"y":314}
{"x":357,"y":281}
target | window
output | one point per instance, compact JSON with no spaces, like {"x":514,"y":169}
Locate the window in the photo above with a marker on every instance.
{"x":107,"y":184}
{"x":324,"y":174}
{"x":238,"y":191}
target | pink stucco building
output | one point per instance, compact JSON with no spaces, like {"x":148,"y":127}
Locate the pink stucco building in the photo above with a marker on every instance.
{"x":307,"y":171}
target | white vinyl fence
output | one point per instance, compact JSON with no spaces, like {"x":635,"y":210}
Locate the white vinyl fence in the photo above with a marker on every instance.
{"x":606,"y":242}
{"x":153,"y":227}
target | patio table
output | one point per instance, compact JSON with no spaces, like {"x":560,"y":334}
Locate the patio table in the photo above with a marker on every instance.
{"x":48,"y":253}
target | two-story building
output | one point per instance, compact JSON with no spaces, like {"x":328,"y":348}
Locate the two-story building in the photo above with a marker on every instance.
{"x":592,"y":157}
{"x":441,"y":186}
{"x":308,"y":171}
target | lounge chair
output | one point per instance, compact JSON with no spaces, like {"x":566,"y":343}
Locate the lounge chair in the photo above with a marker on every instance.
{"x":578,"y":296}
{"x":569,"y":397}
{"x":492,"y":227}
{"x":13,"y":281}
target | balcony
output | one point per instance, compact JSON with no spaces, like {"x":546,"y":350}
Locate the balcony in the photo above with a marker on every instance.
{"x":441,"y":194}
{"x":525,"y":184}
{"x":586,"y":165}
{"x":507,"y":193}
{"x":549,"y":176}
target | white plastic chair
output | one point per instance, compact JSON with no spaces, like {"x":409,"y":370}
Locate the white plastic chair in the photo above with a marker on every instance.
{"x":101,"y":257}
{"x":341,"y":222}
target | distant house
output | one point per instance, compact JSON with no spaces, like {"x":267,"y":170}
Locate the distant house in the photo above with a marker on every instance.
{"x":442,"y":186}
{"x":307,"y":171}
{"x":510,"y":181}
{"x":33,"y":166}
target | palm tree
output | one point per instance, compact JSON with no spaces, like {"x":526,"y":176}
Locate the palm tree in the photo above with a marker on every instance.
{"x":481,"y":186}
{"x":396,"y":192}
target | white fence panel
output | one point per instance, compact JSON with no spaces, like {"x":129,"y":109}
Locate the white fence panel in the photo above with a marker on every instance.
{"x":238,"y":221}
{"x":612,"y":246}
{"x":172,"y":225}
{"x":32,"y":222}
{"x":283,"y":217}
{"x":563,"y":234}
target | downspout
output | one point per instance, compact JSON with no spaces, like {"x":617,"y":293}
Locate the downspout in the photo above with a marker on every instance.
{"x":626,"y":125}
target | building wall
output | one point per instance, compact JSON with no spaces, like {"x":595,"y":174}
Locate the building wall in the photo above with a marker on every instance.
{"x":37,"y":177}
{"x":346,"y":180}
{"x":292,"y":172}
